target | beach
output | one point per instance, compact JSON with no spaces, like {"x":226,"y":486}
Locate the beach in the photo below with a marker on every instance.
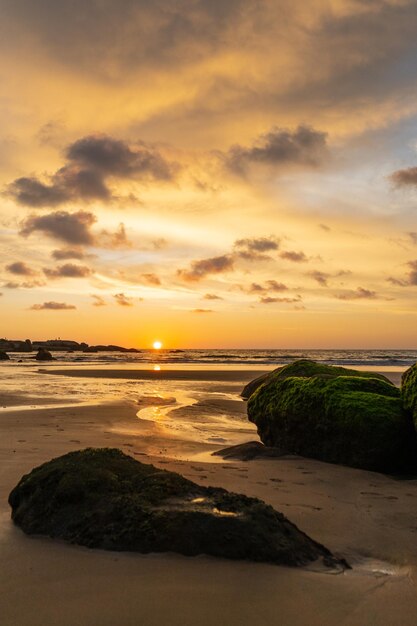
{"x":176,"y":422}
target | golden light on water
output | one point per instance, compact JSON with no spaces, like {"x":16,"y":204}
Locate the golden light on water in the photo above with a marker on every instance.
{"x":157,"y":345}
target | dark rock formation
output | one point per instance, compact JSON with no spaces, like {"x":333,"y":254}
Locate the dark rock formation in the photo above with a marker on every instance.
{"x":305,"y":368}
{"x":251,"y":387}
{"x":409,"y":390}
{"x":43,"y":355}
{"x":102,"y":498}
{"x":17,"y":345}
{"x":353,"y":418}
{"x":248,"y":451}
{"x":4,"y":356}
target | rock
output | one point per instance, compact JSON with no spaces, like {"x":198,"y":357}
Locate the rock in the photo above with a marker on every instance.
{"x":43,"y":355}
{"x":248,"y":451}
{"x":306,"y":368}
{"x":409,"y":390}
{"x":4,"y":356}
{"x":354,"y":419}
{"x":251,"y":387}
{"x":102,"y":498}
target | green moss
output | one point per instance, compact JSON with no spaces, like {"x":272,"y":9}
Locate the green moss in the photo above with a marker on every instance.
{"x":409,"y":390}
{"x":102,"y":498}
{"x":306,"y":369}
{"x":352,"y":420}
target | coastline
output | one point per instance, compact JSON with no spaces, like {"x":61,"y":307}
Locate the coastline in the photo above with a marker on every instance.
{"x":366,"y":517}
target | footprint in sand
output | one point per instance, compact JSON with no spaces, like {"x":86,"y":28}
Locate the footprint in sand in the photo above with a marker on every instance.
{"x":74,"y":441}
{"x":21,"y":441}
{"x":275,"y":480}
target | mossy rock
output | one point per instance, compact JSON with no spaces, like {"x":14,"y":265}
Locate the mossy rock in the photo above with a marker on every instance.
{"x":356,"y":420}
{"x":409,"y":390}
{"x":102,"y":498}
{"x":305,"y":368}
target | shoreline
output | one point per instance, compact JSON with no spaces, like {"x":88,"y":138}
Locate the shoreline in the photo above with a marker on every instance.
{"x":365,"y":517}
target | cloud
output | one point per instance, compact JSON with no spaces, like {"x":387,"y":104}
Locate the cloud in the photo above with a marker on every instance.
{"x":115,"y":240}
{"x":73,"y":228}
{"x":202,"y":311}
{"x":53,"y":306}
{"x":405,"y":178}
{"x":98,"y":300}
{"x":280,"y":147}
{"x":269,"y":285}
{"x":296,"y":257}
{"x":91,"y":162}
{"x":204,"y":267}
{"x":211,"y":296}
{"x":255,"y":249}
{"x":20,"y":269}
{"x":411,"y":277}
{"x":359,"y":294}
{"x":413,"y":237}
{"x":123,"y":300}
{"x":68,"y":253}
{"x":113,"y":157}
{"x":68,"y":270}
{"x":320,"y":277}
{"x":397,"y":281}
{"x":151,"y":279}
{"x":272,"y":300}
{"x":29,"y":284}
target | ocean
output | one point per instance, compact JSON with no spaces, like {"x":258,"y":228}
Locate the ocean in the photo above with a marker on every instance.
{"x":270,"y":358}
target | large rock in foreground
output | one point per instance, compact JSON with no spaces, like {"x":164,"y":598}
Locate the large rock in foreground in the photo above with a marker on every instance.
{"x":102,"y":498}
{"x":4,"y":356}
{"x":356,"y":420}
{"x":307,"y":369}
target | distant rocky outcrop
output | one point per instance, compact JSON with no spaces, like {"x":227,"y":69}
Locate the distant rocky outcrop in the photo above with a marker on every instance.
{"x":58,"y":345}
{"x":15,"y":345}
{"x":4,"y":356}
{"x":409,"y":390}
{"x":102,"y":498}
{"x":43,"y":355}
{"x":336,"y":415}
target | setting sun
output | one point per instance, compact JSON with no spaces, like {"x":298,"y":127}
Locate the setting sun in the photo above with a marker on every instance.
{"x":157,"y":345}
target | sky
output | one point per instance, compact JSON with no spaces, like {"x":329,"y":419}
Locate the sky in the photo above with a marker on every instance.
{"x":209,"y":174}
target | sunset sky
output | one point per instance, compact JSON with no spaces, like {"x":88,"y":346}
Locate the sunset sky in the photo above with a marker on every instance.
{"x":234,"y":173}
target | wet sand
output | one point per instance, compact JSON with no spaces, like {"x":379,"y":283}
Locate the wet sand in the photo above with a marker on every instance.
{"x":368,"y":518}
{"x":162,"y":374}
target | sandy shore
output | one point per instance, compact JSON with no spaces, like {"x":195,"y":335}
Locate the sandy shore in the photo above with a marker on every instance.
{"x":368,"y":518}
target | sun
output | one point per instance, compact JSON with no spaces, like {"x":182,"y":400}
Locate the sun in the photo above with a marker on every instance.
{"x":157,"y":345}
